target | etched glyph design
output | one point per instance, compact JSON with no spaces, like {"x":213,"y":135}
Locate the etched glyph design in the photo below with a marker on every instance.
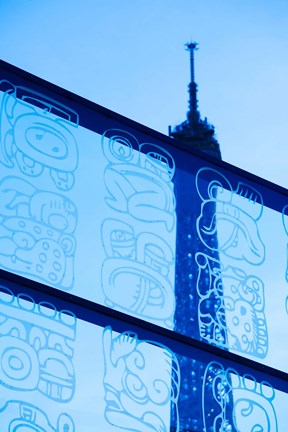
{"x":36,"y":135}
{"x":232,"y":305}
{"x":211,"y":309}
{"x":141,"y":389}
{"x":136,"y":272}
{"x":285,"y":225}
{"x":138,"y":269}
{"x":37,"y":232}
{"x":232,"y":215}
{"x":36,"y":347}
{"x":138,"y":179}
{"x":19,"y":415}
{"x":252,"y":402}
{"x":238,"y":309}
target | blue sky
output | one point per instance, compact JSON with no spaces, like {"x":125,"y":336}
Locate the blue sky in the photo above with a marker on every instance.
{"x":128,"y":55}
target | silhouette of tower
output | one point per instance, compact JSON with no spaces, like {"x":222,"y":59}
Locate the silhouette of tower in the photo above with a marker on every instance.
{"x":195,"y":132}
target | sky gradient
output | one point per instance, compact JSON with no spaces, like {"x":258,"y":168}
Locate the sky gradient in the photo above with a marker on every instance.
{"x":129,"y":56}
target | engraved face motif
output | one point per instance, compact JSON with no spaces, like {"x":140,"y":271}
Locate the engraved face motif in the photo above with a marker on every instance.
{"x":36,"y":136}
{"x":138,"y":384}
{"x":237,"y":231}
{"x":230,"y":214}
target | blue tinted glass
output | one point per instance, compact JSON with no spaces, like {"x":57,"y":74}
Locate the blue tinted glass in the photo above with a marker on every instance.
{"x":61,"y":373}
{"x":37,"y":372}
{"x":241,"y":261}
{"x":72,"y":200}
{"x":100,"y":207}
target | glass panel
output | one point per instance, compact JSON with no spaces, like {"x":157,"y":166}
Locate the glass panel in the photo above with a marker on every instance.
{"x":234,"y":402}
{"x":101,"y":207}
{"x":241,"y":262}
{"x":59,"y":373}
{"x":73,"y":200}
{"x":37,"y":372}
{"x":63,"y":374}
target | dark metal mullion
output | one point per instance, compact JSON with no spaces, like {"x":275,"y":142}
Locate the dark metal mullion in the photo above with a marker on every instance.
{"x":104,"y":316}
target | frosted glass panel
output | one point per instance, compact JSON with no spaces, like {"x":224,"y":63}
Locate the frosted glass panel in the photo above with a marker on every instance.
{"x":241,"y":262}
{"x":83,"y":212}
{"x":61,"y":373}
{"x":99,"y":207}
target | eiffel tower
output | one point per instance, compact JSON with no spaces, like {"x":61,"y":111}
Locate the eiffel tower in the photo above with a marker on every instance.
{"x":198,"y":134}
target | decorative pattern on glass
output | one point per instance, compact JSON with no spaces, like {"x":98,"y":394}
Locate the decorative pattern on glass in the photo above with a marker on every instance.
{"x":36,"y":347}
{"x":240,"y":306}
{"x":138,"y":179}
{"x":253,"y":408}
{"x":141,"y":383}
{"x":36,"y":136}
{"x":18,"y":415}
{"x":37,"y":226}
{"x":37,"y":232}
{"x":285,"y":225}
{"x":228,"y":223}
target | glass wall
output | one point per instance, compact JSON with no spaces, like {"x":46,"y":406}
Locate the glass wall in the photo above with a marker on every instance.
{"x":170,"y":269}
{"x":72,"y":369}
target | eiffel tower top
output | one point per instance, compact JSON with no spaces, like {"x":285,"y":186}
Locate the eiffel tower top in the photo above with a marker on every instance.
{"x":195,"y":132}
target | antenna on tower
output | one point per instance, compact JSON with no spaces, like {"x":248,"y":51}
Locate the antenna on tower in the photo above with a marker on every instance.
{"x":193,"y":114}
{"x":195,"y":132}
{"x":191,"y":47}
